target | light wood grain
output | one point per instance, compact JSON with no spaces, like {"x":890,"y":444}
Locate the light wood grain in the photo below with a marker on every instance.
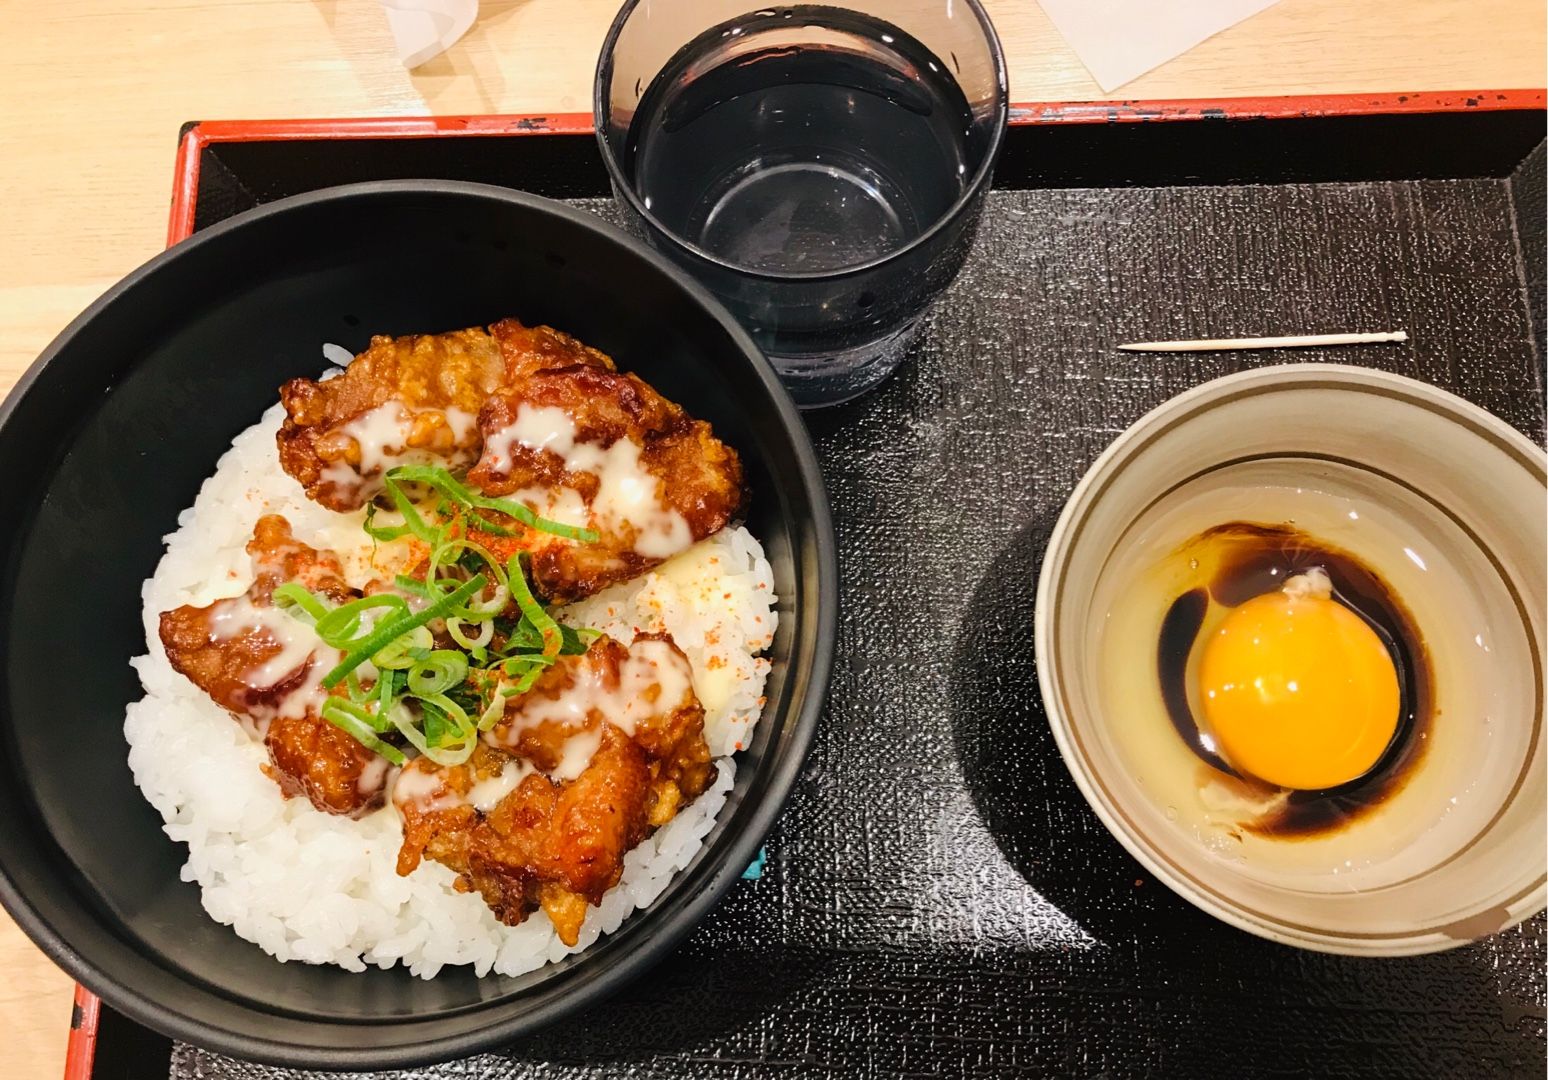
{"x":94,"y":91}
{"x":35,"y":1000}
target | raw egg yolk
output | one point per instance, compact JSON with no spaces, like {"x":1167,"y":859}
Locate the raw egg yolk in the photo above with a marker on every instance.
{"x":1297,"y":690}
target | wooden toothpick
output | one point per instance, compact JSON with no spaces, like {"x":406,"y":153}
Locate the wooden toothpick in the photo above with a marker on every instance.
{"x":1297,"y":342}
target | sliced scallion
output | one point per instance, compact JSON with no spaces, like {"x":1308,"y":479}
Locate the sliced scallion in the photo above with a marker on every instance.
{"x":341,"y":626}
{"x":398,"y":653}
{"x":293,"y":594}
{"x":437,"y":673}
{"x":443,"y":752}
{"x":494,"y":710}
{"x":553,"y":639}
{"x":357,"y":710}
{"x":454,"y":491}
{"x":397,"y":627}
{"x":357,"y":729}
{"x":472,"y":642}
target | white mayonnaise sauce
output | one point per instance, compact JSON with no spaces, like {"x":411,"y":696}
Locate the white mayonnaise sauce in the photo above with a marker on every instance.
{"x":415,"y":785}
{"x":383,"y":435}
{"x":695,"y":575}
{"x":487,"y":793}
{"x":654,"y":679}
{"x":578,"y":751}
{"x":257,"y":730}
{"x":362,"y":560}
{"x":627,"y":492}
{"x":561,"y":504}
{"x":298,"y":643}
{"x":463,"y":424}
{"x":373,"y":776}
{"x":425,"y":790}
{"x":541,"y":427}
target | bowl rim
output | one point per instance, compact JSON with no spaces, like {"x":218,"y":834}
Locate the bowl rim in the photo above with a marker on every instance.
{"x":1468,"y":417}
{"x":782,"y":768}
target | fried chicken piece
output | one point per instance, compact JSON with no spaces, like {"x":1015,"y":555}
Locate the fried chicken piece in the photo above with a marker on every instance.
{"x":540,"y":416}
{"x":436,"y":806}
{"x":558,"y":846}
{"x":591,"y":446}
{"x":645,"y":689}
{"x":410,"y":399}
{"x":529,"y":349}
{"x":264,"y":667}
{"x":553,"y":844}
{"x":250,"y":658}
{"x":404,"y":399}
{"x":557,"y":840}
{"x":672,"y":734}
{"x":311,"y":758}
{"x":562,"y":705}
{"x":278,"y":557}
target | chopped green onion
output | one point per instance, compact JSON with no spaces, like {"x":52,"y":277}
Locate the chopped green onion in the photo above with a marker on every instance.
{"x":437,"y":673}
{"x":482,"y":609}
{"x":434,"y":724}
{"x":553,"y":639}
{"x":341,"y":626}
{"x":357,"y":693}
{"x":576,"y":641}
{"x":422,"y":693}
{"x":453,"y":490}
{"x":524,"y":662}
{"x":396,"y":628}
{"x":474,"y":643}
{"x":443,"y":753}
{"x":358,"y":711}
{"x":412,"y":522}
{"x":294,"y":594}
{"x":494,"y":710}
{"x":399,"y":653}
{"x":520,"y":512}
{"x":527,"y":681}
{"x":414,"y":586}
{"x":455,"y":714}
{"x":381,"y":532}
{"x":524,"y":637}
{"x":359,"y":730}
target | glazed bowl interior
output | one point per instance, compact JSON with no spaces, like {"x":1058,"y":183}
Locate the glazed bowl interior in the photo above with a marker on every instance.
{"x":1447,"y":504}
{"x":109,"y":438}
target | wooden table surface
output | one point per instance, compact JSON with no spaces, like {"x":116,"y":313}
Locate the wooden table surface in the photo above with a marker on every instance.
{"x":95,"y":90}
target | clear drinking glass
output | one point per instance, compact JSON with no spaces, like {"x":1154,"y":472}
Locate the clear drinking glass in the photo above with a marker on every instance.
{"x":820,"y":167}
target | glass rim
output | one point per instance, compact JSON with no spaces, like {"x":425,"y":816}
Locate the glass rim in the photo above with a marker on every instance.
{"x":980,"y":178}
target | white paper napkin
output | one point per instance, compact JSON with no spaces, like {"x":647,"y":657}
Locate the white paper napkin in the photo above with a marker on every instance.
{"x":422,"y":29}
{"x":1119,"y":40}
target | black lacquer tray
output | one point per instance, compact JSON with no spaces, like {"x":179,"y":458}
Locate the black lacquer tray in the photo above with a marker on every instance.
{"x":938,"y":901}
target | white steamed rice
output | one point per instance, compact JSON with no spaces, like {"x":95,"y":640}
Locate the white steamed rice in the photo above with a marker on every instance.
{"x":305,"y":885}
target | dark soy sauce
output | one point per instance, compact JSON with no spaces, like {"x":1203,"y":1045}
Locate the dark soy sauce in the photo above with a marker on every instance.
{"x":802,"y":159}
{"x":1179,"y":630}
{"x":1259,"y":559}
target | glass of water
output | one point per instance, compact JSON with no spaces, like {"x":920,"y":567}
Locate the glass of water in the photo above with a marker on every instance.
{"x":820,"y":167}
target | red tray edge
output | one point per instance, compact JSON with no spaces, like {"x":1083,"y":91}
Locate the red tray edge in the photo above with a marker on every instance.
{"x":199,"y":134}
{"x":81,"y":1049}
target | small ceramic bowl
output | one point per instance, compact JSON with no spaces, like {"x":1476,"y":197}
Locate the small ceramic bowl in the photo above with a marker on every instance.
{"x":1448,"y":504}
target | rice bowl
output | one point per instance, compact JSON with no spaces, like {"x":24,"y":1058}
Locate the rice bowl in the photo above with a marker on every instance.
{"x":188,"y":350}
{"x":309,"y":886}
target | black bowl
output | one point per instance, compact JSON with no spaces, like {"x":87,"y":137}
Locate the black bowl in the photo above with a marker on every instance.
{"x":109,"y":436}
